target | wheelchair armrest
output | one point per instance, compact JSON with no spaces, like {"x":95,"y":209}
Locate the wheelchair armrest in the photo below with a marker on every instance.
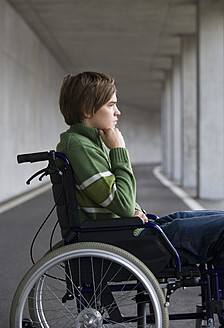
{"x":114,"y":223}
{"x":166,"y":242}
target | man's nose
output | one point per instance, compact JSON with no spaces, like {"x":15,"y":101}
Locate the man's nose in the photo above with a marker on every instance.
{"x":117,"y":112}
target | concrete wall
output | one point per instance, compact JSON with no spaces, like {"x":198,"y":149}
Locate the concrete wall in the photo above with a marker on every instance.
{"x":29,"y":85}
{"x":30,"y":121}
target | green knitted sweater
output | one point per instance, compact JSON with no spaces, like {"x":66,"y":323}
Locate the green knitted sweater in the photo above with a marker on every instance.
{"x":105,"y":184}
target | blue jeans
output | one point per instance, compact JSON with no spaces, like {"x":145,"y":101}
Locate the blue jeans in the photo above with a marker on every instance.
{"x":198,"y":237}
{"x":194,"y":234}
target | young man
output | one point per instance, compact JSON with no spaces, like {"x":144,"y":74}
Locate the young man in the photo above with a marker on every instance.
{"x":105,"y":184}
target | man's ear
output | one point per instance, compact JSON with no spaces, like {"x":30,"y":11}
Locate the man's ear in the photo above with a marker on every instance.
{"x":87,"y":115}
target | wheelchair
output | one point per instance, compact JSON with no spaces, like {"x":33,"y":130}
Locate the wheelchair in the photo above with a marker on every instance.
{"x":102,"y":275}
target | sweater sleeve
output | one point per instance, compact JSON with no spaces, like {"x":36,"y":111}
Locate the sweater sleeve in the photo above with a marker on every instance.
{"x":104,"y":184}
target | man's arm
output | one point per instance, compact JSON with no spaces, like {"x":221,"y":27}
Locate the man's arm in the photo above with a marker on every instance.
{"x":113,"y":139}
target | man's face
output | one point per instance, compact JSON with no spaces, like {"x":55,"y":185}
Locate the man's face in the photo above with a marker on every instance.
{"x":107,"y":116}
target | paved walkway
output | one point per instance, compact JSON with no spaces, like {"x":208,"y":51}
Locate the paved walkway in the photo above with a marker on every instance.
{"x":19,"y":225}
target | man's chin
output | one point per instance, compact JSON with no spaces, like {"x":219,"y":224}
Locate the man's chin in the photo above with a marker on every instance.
{"x":109,"y":127}
{"x":106,"y":128}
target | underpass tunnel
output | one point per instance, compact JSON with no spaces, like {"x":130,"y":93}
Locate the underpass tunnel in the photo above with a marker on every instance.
{"x":167,"y":59}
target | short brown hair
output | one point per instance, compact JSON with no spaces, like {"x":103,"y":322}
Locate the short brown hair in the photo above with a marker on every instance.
{"x":85,"y":92}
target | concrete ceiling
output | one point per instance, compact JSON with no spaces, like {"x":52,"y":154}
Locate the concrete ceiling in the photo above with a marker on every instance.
{"x":133,"y":40}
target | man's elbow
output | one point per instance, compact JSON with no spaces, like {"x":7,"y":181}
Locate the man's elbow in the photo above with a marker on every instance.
{"x":127,"y":211}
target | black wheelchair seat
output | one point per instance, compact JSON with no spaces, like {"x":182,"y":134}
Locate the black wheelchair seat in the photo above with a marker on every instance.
{"x":155,"y":251}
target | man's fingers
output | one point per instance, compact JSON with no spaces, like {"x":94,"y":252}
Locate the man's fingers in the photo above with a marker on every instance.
{"x":141,"y":215}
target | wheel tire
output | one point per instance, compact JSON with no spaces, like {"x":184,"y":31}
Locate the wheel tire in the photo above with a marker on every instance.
{"x":30,"y":294}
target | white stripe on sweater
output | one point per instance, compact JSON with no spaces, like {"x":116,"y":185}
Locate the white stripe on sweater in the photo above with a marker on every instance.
{"x":109,"y":199}
{"x":94,"y":210}
{"x":92,"y":179}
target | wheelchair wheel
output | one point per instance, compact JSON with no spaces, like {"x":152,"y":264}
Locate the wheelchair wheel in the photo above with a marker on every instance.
{"x":89,"y":284}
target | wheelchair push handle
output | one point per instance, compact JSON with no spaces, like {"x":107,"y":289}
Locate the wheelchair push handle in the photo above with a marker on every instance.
{"x":35,"y":157}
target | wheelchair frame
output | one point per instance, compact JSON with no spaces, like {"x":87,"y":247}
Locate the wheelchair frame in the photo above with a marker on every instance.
{"x":94,"y":236}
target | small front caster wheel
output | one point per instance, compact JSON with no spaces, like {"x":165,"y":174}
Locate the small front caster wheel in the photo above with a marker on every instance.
{"x":27,"y":323}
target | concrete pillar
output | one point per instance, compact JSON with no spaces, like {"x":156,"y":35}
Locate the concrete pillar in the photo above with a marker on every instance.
{"x":1,"y":56}
{"x":189,"y":110}
{"x":163,"y":151}
{"x":166,"y":126}
{"x":211,"y":110}
{"x":176,"y":132}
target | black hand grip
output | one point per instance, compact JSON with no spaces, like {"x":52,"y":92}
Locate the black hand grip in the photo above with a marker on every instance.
{"x":33,"y":157}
